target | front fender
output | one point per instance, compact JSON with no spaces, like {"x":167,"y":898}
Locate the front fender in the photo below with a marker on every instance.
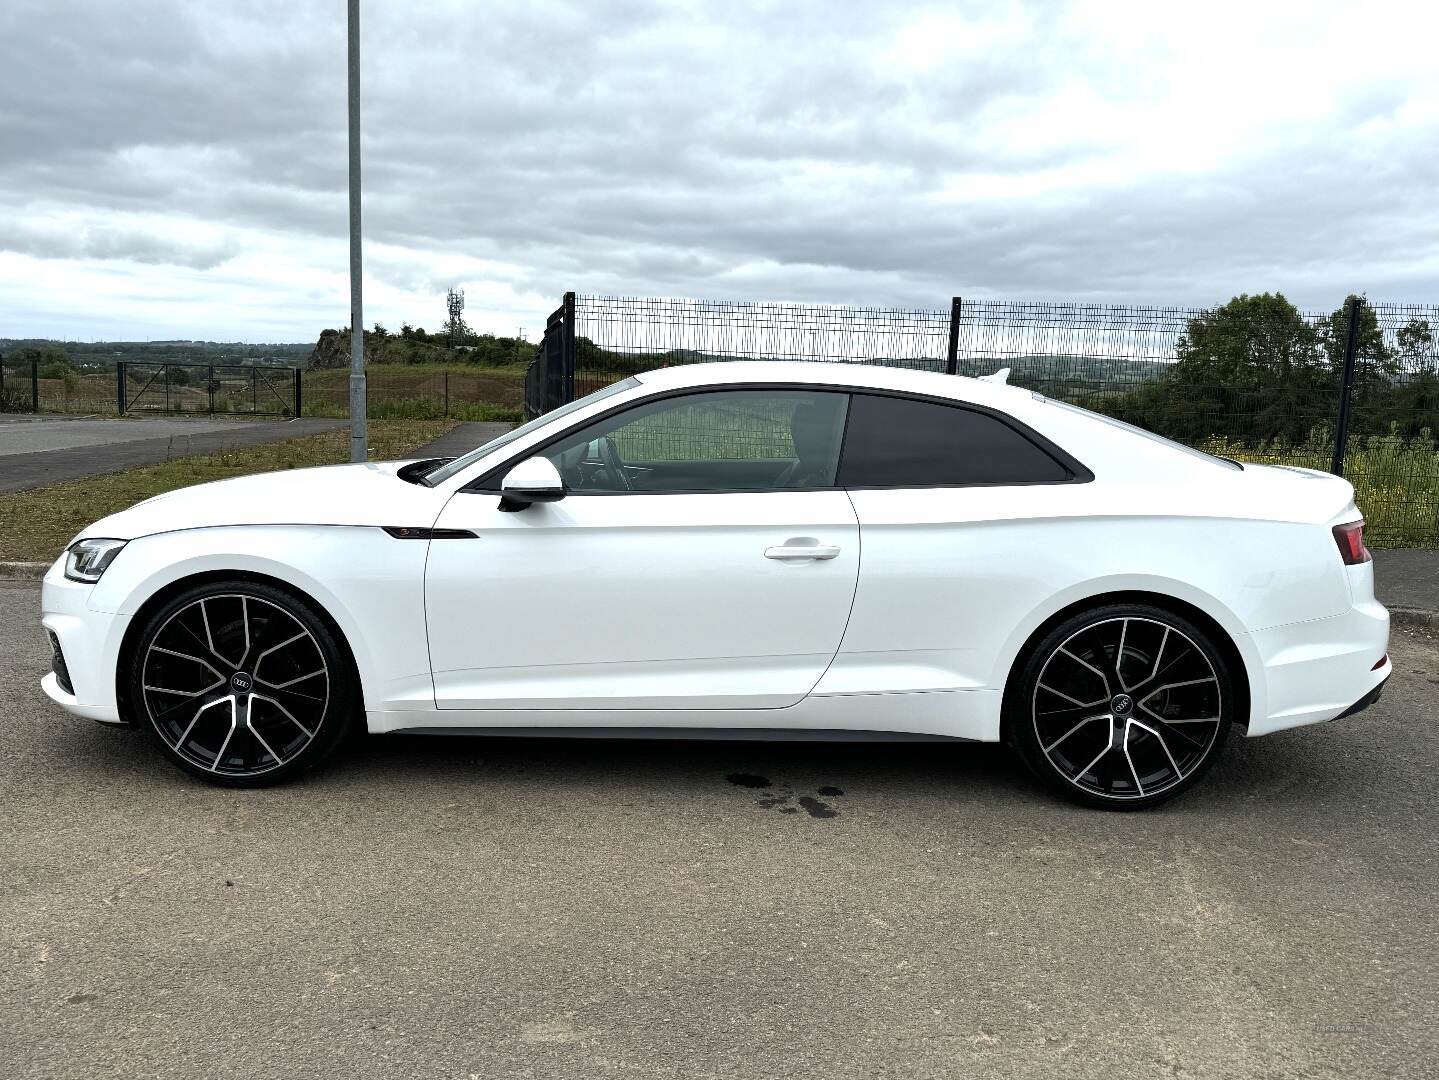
{"x":370,"y":584}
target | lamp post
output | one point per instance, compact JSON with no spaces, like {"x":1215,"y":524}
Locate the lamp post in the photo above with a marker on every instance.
{"x":359,"y":432}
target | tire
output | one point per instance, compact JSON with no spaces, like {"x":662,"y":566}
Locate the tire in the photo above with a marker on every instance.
{"x":242,"y":684}
{"x":1121,"y":707}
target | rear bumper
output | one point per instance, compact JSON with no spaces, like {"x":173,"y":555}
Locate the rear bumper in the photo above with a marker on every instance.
{"x":1367,"y":700}
{"x":1321,"y":670}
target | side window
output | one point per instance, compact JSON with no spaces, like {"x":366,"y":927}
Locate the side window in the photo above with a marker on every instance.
{"x":728,"y":440}
{"x":900,"y":442}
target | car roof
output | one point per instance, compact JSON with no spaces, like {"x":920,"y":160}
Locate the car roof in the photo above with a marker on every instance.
{"x":838,"y":373}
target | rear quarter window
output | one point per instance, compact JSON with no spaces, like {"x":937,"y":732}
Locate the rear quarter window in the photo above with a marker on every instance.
{"x":903,"y":442}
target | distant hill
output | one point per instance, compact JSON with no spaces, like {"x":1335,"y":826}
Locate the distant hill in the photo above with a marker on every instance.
{"x":413,"y":346}
{"x":103,"y":355}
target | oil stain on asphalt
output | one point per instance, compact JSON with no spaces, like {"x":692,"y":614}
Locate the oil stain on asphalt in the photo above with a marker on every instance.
{"x":780,"y":798}
{"x":750,"y":780}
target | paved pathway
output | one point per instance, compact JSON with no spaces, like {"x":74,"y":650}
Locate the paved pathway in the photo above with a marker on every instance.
{"x":1407,"y":578}
{"x":36,"y":452}
{"x":462,"y":439}
{"x":37,"y":434}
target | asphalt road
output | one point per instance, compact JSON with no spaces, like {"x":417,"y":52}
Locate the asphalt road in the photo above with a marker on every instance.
{"x":41,"y":434}
{"x":464,"y":908}
{"x":40,"y":450}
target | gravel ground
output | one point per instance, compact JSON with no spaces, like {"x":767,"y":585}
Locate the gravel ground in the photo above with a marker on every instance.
{"x":471,"y":908}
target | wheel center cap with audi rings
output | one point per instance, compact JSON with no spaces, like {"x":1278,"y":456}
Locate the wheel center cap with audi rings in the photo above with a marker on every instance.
{"x":1122,"y":705}
{"x":240,"y":682}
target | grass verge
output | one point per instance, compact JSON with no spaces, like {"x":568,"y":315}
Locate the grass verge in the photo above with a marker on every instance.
{"x":36,"y":525}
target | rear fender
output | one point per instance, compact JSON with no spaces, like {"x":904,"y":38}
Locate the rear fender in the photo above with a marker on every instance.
{"x":1150,"y":589}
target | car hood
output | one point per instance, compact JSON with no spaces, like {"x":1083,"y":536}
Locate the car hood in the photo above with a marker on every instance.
{"x":361,"y":494}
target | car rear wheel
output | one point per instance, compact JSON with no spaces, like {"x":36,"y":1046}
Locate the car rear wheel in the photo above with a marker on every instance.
{"x":1122,"y":707}
{"x":243,"y":684}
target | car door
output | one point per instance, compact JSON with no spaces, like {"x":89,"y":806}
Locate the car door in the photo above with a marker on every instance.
{"x":701,"y":559}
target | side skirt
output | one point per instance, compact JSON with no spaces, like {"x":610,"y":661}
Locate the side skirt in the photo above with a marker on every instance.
{"x":831,"y":735}
{"x":939,"y":715}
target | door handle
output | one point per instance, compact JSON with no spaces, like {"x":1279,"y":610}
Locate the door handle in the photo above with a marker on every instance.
{"x":795,"y":551}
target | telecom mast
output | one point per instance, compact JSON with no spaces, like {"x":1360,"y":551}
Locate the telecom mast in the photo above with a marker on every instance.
{"x":455,"y":305}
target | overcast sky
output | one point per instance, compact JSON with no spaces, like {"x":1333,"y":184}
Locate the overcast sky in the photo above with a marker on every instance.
{"x":177,"y":169}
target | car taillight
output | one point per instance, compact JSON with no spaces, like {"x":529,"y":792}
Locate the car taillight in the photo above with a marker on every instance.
{"x":1350,"y":538}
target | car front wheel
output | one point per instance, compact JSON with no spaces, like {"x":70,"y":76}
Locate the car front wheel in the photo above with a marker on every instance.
{"x":1122,"y":707}
{"x":243,"y":684}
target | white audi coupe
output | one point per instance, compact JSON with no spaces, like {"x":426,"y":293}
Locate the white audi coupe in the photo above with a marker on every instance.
{"x":751,"y":550}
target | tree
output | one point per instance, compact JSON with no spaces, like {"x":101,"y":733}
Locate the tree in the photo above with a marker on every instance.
{"x":1249,"y":343}
{"x":1415,"y":345}
{"x":1251,"y":369}
{"x":52,"y":362}
{"x":1373,"y":362}
{"x":1396,"y":387}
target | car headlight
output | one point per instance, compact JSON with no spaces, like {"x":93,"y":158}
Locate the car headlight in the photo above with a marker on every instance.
{"x":86,"y":560}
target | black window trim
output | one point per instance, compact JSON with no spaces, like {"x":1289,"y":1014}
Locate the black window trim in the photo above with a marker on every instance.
{"x":488,"y":483}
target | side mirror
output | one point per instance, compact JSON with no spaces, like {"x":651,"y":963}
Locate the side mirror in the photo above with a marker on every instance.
{"x":534,"y":480}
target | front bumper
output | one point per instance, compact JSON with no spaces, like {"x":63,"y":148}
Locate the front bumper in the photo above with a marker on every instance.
{"x":90,"y":642}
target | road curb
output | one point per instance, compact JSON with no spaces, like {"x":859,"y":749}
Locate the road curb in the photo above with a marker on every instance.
{"x":23,"y":571}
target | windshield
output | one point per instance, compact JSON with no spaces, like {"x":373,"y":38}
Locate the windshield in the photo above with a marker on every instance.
{"x":449,"y":469}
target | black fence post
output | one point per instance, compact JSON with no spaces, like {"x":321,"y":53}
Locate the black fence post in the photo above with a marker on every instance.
{"x":120,"y":395}
{"x":447,"y":395}
{"x":951,"y":363}
{"x":299,"y":390}
{"x":254,"y":390}
{"x":567,"y":355}
{"x":35,"y":386}
{"x":534,"y":387}
{"x":1346,"y":385}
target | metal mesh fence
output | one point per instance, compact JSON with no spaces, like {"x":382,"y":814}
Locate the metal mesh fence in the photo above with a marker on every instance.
{"x":398,"y":394}
{"x":147,"y":388}
{"x":1391,"y":455}
{"x":205,"y":388}
{"x":138,"y":387}
{"x":1255,"y":376}
{"x":43,"y":386}
{"x":15,"y":386}
{"x":618,"y":336}
{"x":1255,"y":379}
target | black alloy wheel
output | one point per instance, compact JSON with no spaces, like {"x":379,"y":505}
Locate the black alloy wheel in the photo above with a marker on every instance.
{"x":243,"y":684}
{"x":1122,"y":707}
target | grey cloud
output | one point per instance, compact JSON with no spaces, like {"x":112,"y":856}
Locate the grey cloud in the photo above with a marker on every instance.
{"x":113,"y":242}
{"x":653,"y":148}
